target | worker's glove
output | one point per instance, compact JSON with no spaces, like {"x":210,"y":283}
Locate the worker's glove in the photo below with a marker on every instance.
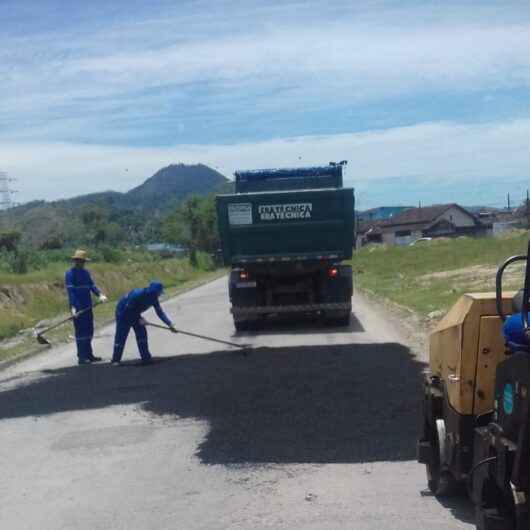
{"x":103,"y":298}
{"x":173,"y":329}
{"x":74,"y":312}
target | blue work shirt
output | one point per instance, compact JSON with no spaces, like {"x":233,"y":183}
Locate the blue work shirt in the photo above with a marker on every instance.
{"x":133,"y":304}
{"x":80,"y":286}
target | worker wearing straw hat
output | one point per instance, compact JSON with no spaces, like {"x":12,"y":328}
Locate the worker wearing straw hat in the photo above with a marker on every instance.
{"x":80,"y":286}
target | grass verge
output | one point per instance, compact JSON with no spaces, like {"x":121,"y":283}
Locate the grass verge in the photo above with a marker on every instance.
{"x":42,"y":297}
{"x":431,"y":276}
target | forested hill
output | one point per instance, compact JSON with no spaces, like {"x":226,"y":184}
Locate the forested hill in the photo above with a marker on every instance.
{"x":134,"y":215}
{"x":166,"y":188}
{"x":175,"y":182}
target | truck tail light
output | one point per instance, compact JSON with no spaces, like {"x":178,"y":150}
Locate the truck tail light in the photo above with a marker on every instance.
{"x":243,"y":276}
{"x":333,"y":272}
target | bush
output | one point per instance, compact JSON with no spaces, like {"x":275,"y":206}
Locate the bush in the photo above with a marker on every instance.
{"x":204,"y":261}
{"x":20,"y":262}
{"x":110,"y":254}
{"x":52,"y":243}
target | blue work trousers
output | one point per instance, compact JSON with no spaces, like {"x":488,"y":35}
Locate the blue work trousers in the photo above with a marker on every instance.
{"x":84,"y":333}
{"x":123,"y":327}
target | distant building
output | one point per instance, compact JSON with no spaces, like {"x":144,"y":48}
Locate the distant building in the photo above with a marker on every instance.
{"x":380,"y":214}
{"x":505,"y":221}
{"x":442,"y":220}
{"x":369,"y":232}
{"x":166,"y":249}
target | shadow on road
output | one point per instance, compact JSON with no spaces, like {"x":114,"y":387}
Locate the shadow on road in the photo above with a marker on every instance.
{"x":321,"y":404}
{"x":460,"y":506}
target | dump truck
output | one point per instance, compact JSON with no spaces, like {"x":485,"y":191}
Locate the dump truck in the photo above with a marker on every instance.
{"x":285,"y":234}
{"x":476,"y":415}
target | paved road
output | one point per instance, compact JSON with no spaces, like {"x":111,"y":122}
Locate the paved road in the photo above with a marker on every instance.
{"x":315,"y":429}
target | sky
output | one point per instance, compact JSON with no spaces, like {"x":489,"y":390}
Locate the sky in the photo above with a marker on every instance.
{"x":428,"y":101}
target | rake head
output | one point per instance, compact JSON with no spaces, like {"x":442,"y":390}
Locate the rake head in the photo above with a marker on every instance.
{"x":41,"y":339}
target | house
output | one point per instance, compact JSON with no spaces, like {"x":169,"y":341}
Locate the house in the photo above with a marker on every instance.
{"x":505,"y":221}
{"x":368,"y":232}
{"x":441,"y":220}
{"x":166,"y":249}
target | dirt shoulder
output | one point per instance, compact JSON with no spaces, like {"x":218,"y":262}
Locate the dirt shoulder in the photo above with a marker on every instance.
{"x":411,"y":326}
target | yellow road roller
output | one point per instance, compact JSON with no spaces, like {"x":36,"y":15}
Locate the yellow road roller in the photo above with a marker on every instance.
{"x":476,"y":417}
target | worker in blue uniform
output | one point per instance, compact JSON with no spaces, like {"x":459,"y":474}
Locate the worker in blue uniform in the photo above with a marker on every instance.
{"x":80,"y":287}
{"x":129,"y":315}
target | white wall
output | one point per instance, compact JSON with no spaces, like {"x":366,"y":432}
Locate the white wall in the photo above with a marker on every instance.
{"x":390,"y":238}
{"x":457,"y":217}
{"x":501,"y":227}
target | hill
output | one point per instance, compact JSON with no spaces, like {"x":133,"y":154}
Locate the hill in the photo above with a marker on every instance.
{"x":133,"y":215}
{"x":167,"y":187}
{"x":173,"y":183}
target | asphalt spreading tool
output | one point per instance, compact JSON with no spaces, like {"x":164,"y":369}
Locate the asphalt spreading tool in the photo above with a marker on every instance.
{"x":39,"y":335}
{"x":196,"y":335}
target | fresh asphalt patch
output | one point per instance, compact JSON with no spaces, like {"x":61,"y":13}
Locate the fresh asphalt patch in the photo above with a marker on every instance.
{"x":343,"y":403}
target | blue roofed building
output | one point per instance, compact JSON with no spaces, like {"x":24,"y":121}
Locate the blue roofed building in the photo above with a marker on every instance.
{"x":382,"y":213}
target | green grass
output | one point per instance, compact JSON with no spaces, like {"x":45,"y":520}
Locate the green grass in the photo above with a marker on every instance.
{"x":396,"y":272}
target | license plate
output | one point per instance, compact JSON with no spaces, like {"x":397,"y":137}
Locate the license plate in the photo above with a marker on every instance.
{"x":245,"y":285}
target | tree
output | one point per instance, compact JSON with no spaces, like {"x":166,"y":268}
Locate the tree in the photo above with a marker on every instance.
{"x":194,"y":225}
{"x":10,"y":240}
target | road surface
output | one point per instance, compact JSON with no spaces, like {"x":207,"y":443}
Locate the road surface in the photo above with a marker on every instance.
{"x":315,"y":429}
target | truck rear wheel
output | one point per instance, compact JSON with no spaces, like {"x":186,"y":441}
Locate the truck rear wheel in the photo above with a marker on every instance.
{"x":244,"y":325}
{"x":241,"y":325}
{"x":338,"y":319}
{"x":344,"y":320}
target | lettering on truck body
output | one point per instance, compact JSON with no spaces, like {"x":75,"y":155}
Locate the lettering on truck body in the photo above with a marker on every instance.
{"x":275,"y":212}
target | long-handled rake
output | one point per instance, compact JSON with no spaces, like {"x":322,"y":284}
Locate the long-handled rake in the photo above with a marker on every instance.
{"x":196,"y":335}
{"x":39,"y":335}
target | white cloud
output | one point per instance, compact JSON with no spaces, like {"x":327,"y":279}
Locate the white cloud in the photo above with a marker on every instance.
{"x":360,"y":59}
{"x":468,"y":155}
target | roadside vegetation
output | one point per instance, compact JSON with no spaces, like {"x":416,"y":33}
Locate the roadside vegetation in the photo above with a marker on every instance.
{"x":32,"y":273}
{"x":430,"y":276}
{"x":28,"y":299}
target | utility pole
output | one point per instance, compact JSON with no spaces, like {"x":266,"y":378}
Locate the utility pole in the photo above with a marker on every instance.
{"x":508,"y":197}
{"x":527,"y":208}
{"x":6,"y":200}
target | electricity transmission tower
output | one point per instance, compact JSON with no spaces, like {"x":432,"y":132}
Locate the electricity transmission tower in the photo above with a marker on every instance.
{"x":6,"y":193}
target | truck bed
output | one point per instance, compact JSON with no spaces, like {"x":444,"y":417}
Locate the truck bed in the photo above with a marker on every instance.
{"x":286,"y":226}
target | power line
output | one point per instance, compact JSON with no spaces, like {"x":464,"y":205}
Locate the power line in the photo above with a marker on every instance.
{"x":6,"y":193}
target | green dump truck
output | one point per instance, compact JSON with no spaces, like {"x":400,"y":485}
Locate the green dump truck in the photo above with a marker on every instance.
{"x":284,"y":234}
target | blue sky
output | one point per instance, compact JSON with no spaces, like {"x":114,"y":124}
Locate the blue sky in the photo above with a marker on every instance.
{"x":428,"y":101}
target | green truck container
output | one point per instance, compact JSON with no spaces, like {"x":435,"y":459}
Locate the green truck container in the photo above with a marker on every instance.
{"x":284,"y":234}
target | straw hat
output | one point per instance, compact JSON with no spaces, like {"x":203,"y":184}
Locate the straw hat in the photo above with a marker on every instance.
{"x":81,"y":255}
